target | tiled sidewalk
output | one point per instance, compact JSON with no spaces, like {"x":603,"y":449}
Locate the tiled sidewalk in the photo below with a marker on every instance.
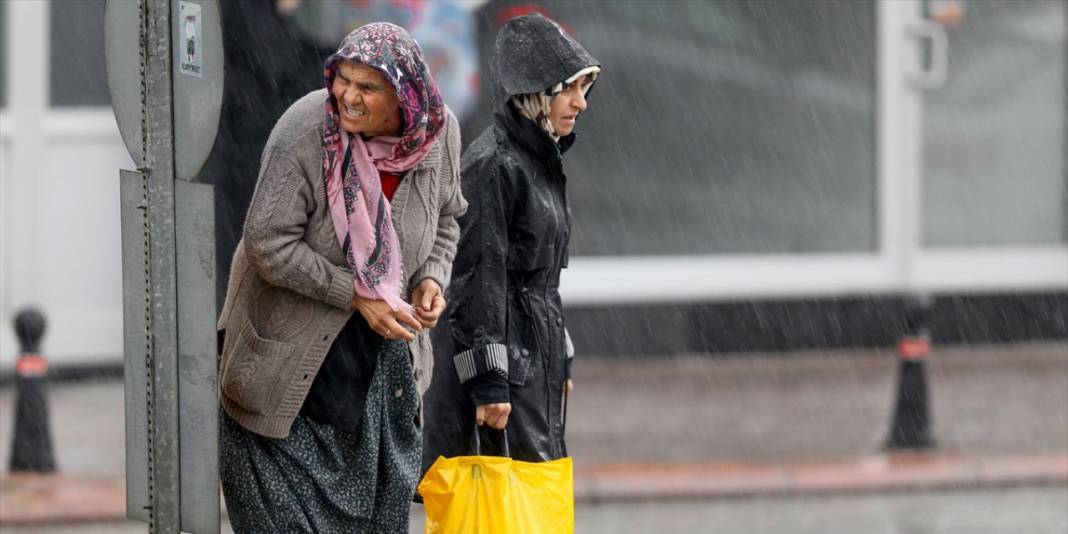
{"x":690,"y":427}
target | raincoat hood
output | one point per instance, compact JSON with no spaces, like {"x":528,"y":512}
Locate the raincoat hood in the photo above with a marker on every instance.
{"x":532,"y":54}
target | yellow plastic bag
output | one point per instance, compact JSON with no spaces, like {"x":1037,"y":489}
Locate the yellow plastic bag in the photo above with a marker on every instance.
{"x":497,"y":495}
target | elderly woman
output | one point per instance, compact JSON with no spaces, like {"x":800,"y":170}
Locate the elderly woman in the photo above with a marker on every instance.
{"x":504,"y":356}
{"x":354,"y":211}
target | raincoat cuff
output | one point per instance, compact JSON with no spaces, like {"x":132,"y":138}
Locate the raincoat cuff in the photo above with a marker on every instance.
{"x":490,"y":388}
{"x":480,"y":360}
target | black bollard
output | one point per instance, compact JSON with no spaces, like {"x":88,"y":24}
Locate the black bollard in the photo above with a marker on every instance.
{"x":31,"y":447}
{"x":910,"y":427}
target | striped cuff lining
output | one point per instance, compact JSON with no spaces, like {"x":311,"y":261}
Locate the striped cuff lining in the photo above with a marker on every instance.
{"x":473,"y":362}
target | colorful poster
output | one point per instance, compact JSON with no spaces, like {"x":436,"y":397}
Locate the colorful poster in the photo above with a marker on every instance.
{"x":190,"y":37}
{"x":445,"y":30}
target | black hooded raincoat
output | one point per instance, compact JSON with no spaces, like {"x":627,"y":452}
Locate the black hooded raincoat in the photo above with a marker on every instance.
{"x":505,"y":314}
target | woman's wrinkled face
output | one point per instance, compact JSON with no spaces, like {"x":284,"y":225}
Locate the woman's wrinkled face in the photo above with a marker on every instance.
{"x":367,"y":103}
{"x":564,"y":108}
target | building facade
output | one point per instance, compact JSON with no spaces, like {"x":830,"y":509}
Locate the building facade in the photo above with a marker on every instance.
{"x":749,"y":174}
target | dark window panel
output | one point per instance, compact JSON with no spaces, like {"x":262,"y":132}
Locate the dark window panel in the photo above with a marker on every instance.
{"x":3,"y":55}
{"x":726,"y":127}
{"x":78,"y":75}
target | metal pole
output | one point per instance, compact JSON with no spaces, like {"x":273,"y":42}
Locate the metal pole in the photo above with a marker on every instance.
{"x":158,"y":132}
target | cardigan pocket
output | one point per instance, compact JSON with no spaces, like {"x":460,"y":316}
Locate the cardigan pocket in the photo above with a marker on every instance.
{"x":256,"y":370}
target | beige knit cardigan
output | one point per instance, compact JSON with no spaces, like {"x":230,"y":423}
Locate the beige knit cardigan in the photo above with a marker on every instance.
{"x":290,"y":289}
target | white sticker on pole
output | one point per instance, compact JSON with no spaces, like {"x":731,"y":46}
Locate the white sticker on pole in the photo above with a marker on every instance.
{"x":190,"y":46}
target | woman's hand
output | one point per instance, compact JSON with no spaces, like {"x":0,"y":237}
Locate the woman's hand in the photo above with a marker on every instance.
{"x":388,"y":323}
{"x":494,"y":415}
{"x":569,"y":385}
{"x":428,"y":302}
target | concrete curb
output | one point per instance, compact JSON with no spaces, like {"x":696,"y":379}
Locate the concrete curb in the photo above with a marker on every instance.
{"x":874,"y":474}
{"x":27,"y":499}
{"x":33,"y":499}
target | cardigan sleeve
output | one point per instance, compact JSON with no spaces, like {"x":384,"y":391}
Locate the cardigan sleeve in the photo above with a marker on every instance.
{"x":438,"y":265}
{"x":274,"y":236}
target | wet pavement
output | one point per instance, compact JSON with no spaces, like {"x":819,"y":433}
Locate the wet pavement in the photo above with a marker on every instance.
{"x":1013,"y":511}
{"x":986,"y":400}
{"x":759,"y":443}
{"x":1030,"y":511}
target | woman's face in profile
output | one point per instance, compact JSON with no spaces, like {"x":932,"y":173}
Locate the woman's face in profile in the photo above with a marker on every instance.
{"x":564,"y":108}
{"x":366,"y":102}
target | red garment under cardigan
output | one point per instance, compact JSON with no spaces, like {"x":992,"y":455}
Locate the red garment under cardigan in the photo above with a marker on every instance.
{"x":390,"y":183}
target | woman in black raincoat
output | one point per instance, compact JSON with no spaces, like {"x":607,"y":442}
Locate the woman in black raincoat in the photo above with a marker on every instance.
{"x":503,"y":354}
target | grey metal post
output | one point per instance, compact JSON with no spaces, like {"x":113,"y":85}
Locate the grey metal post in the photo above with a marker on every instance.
{"x":165,"y":76}
{"x":158,"y":134}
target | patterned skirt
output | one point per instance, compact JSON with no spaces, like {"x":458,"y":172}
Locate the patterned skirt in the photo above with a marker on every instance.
{"x":322,"y":480}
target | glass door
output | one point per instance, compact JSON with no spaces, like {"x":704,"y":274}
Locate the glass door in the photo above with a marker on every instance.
{"x":994,"y":193}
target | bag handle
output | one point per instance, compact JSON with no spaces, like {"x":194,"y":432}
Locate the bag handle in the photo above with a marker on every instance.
{"x":478,"y":442}
{"x":563,"y":422}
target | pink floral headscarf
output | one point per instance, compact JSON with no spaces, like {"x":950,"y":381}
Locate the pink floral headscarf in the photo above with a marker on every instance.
{"x":359,"y":209}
